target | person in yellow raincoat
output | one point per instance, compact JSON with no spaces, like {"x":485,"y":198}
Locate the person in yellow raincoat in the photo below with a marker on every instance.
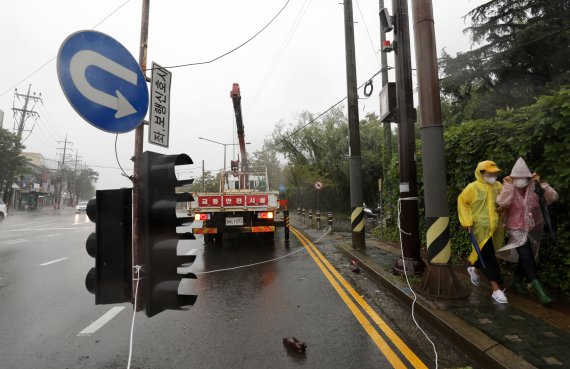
{"x":479,"y":215}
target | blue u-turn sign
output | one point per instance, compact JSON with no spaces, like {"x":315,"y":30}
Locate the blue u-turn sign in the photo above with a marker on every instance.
{"x":102,"y":81}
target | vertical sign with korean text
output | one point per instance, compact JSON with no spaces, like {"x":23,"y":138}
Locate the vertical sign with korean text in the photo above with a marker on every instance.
{"x":159,"y":106}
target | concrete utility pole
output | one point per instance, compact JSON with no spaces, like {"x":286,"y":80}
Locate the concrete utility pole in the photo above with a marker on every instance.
{"x":62,"y":172}
{"x":139,"y":133}
{"x":409,"y":218}
{"x":24,"y":112}
{"x":354,"y":163}
{"x":439,"y":280}
{"x":203,"y":178}
{"x":75,"y":195}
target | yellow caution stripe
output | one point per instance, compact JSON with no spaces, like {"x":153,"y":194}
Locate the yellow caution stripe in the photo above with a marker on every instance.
{"x":438,"y":240}
{"x":357,"y":219}
{"x":262,"y":229}
{"x":204,"y":230}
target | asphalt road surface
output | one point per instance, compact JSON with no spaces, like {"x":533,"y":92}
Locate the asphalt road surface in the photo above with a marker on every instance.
{"x":243,"y":311}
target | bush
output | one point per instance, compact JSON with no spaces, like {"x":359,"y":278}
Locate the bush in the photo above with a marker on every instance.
{"x":540,"y":133}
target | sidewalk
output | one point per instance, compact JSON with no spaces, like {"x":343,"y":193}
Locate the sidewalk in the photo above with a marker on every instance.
{"x":521,"y":334}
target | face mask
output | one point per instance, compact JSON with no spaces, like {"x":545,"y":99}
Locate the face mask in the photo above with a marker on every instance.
{"x":520,"y":182}
{"x":490,"y":180}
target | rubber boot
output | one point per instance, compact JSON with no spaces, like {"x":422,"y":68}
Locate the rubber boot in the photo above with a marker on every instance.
{"x":543,"y":298}
{"x":516,"y":284}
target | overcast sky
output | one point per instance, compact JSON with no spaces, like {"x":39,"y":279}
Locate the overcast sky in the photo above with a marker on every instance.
{"x":297,"y":64}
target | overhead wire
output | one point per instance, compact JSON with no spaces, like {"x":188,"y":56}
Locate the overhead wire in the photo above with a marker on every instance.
{"x":232,"y":50}
{"x":300,"y":128}
{"x":281,"y":51}
{"x":369,"y":36}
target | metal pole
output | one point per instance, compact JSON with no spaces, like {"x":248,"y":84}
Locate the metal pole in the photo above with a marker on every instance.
{"x":139,"y":133}
{"x":225,"y":146}
{"x":355,"y":163}
{"x":409,"y":217}
{"x":439,"y":280}
{"x":386,"y":125}
{"x":203,"y":178}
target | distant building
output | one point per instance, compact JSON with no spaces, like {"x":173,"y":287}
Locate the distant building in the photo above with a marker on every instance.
{"x":35,"y":188}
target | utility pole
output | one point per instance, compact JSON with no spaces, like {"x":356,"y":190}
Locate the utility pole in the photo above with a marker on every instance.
{"x":139,"y":133}
{"x":405,"y":115}
{"x":439,"y":280}
{"x":354,"y":160}
{"x":24,"y":111}
{"x":387,"y":125}
{"x":203,"y":179}
{"x":75,"y":192}
{"x":62,"y":172}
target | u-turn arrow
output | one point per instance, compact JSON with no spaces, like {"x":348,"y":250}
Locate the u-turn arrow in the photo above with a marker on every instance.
{"x":86,"y":58}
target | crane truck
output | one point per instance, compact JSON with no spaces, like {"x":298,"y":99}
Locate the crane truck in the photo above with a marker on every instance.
{"x":245,"y":204}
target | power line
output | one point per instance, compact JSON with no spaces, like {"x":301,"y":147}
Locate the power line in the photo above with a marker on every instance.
{"x":52,"y":59}
{"x":281,"y":51}
{"x":329,"y":109}
{"x":232,"y":50}
{"x":368,"y":32}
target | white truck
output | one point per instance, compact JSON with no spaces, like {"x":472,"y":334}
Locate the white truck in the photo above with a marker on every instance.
{"x":244,"y":205}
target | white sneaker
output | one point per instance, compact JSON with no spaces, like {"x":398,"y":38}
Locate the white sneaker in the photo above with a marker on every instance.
{"x":500,"y":297}
{"x":474,"y":276}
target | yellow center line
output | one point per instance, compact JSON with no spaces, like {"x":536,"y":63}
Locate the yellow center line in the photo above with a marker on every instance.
{"x":368,"y":327}
{"x":404,"y":349}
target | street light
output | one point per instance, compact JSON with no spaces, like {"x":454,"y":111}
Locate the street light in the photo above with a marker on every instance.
{"x":225,"y":145}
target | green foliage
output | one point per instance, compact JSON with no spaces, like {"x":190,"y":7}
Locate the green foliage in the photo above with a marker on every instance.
{"x":520,"y":51}
{"x":541,"y":134}
{"x":11,"y":161}
{"x":320,"y":152}
{"x":211,"y":183}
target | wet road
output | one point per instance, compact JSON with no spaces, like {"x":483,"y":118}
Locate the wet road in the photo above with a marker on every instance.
{"x":239,"y":320}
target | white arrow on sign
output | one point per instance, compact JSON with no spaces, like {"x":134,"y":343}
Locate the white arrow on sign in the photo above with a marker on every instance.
{"x":86,"y":58}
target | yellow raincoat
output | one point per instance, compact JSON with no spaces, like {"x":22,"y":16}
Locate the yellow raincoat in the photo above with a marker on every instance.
{"x":477,"y":208}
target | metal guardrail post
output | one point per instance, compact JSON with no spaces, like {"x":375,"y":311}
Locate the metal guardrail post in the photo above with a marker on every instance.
{"x":310,"y":218}
{"x":330,"y":219}
{"x":318,"y":219}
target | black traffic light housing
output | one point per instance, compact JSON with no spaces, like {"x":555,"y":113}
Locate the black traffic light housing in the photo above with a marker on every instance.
{"x":159,"y":239}
{"x":111,"y":246}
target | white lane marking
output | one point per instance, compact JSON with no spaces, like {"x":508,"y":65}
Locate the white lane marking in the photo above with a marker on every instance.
{"x":54,"y":261}
{"x":10,"y":242}
{"x":47,"y":229}
{"x":191,"y":252}
{"x":96,"y":325}
{"x":49,"y":235}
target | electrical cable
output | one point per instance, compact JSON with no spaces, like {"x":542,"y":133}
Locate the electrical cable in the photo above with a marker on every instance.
{"x":300,"y":128}
{"x":368,"y":32}
{"x":117,"y":157}
{"x":232,"y":50}
{"x":253,"y":264}
{"x":406,"y":274}
{"x":280,"y":52}
{"x":52,"y":59}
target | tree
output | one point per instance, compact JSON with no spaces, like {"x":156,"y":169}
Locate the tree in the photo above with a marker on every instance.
{"x":211,"y":183}
{"x":81,"y":184}
{"x":521,"y":52}
{"x":11,"y":160}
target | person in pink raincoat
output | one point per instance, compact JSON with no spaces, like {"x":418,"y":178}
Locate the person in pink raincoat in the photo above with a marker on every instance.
{"x":524,"y":225}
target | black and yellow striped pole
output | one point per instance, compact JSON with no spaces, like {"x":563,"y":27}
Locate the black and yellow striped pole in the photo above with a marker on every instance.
{"x":439,"y":280}
{"x":354,"y":158}
{"x":287,"y":225}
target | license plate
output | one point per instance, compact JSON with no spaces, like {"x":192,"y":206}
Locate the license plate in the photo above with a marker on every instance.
{"x":237,"y":221}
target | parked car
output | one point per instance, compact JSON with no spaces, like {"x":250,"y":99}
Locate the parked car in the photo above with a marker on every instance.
{"x":81,"y":207}
{"x":3,"y":210}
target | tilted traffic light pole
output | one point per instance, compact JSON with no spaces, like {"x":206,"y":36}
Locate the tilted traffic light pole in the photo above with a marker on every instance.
{"x":110,"y":245}
{"x":159,"y":239}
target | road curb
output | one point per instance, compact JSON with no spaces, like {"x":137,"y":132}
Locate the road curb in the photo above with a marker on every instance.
{"x":481,"y":348}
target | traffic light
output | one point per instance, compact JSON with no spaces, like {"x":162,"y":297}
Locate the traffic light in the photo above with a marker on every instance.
{"x":159,"y":239}
{"x":111,"y":246}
